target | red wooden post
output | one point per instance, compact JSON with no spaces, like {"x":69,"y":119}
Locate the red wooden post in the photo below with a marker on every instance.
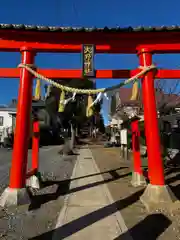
{"x":33,"y":176}
{"x":137,"y":173}
{"x":155,"y":163}
{"x":21,"y":139}
{"x":35,"y":146}
{"x":136,"y":147}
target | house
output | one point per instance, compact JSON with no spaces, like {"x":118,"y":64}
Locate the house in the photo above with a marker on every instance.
{"x":120,"y":108}
{"x":121,"y":105}
{"x":8,"y":117}
{"x":7,"y":120}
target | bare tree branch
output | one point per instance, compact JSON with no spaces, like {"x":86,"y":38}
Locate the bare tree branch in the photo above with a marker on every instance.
{"x":167,"y":94}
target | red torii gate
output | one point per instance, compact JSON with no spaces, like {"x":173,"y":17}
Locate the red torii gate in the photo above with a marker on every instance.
{"x":30,"y":40}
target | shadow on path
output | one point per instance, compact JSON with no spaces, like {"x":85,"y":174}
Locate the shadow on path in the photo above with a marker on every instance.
{"x":173,"y":180}
{"x":111,"y":171}
{"x":150,"y":228}
{"x":78,"y":224}
{"x":63,"y":188}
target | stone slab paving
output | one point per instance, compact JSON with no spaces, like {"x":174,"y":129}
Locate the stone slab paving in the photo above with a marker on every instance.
{"x":89,"y":213}
{"x":159,"y":225}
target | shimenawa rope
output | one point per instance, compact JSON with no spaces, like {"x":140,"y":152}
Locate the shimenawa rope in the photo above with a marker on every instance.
{"x":30,"y":68}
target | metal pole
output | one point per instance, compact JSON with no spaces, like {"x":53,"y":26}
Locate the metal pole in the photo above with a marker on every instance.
{"x":125,"y":152}
{"x":72,"y":139}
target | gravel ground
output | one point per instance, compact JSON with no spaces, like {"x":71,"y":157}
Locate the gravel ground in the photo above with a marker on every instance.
{"x":159,"y":225}
{"x":28,"y":221}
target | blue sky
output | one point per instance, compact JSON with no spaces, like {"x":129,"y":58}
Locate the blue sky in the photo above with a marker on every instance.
{"x":97,"y":13}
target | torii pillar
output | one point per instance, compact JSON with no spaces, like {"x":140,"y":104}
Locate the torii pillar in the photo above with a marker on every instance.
{"x":16,"y":193}
{"x":138,"y":178}
{"x":157,"y":194}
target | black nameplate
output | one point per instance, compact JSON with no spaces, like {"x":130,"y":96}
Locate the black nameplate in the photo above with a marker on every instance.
{"x":88,"y":60}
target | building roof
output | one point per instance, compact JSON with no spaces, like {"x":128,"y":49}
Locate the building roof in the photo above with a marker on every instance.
{"x":170,"y":100}
{"x":125,"y":94}
{"x":22,"y":27}
{"x":7,"y":109}
{"x":3,"y":106}
{"x":13,"y":105}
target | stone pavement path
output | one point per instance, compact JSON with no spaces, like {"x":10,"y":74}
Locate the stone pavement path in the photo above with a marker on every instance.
{"x":90,"y":212}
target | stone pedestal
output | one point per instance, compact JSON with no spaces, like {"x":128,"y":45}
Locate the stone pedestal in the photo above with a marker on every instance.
{"x":157,"y":197}
{"x":138,"y":180}
{"x":14,"y":197}
{"x":33,"y":182}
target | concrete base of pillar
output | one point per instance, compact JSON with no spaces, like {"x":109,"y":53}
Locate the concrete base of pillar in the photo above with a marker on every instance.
{"x":158,"y":198}
{"x":138,"y":180}
{"x":33,"y":182}
{"x":14,"y":197}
